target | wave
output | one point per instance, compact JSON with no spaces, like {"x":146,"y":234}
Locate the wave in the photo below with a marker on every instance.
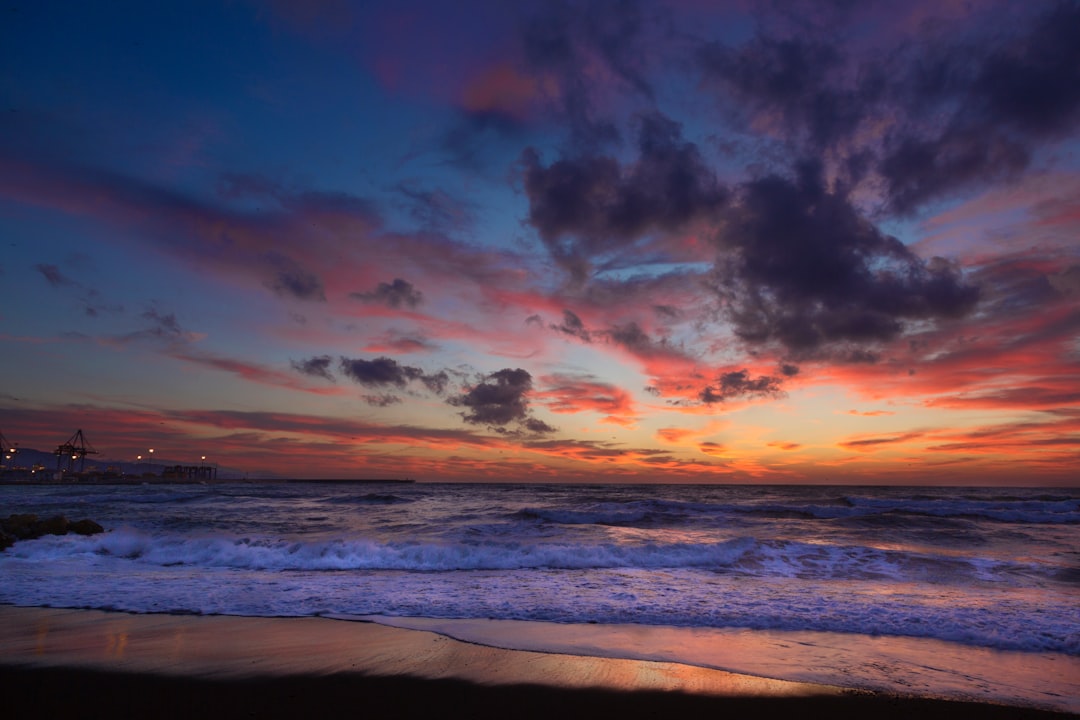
{"x":370,"y":499}
{"x":742,"y":556}
{"x":600,"y":516}
{"x":1004,"y":509}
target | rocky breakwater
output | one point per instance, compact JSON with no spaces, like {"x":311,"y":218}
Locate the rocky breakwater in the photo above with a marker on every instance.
{"x":28,"y":527}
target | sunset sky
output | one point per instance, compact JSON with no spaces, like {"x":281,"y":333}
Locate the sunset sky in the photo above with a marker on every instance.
{"x":586,"y":241}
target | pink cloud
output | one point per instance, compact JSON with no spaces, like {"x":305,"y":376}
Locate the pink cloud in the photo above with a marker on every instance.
{"x":573,"y":394}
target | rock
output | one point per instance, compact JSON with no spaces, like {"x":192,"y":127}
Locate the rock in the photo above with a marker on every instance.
{"x":85,"y":527}
{"x":21,"y":526}
{"x":56,"y":525}
{"x":29,"y":527}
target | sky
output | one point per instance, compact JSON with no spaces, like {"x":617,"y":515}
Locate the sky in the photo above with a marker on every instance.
{"x":610,"y":240}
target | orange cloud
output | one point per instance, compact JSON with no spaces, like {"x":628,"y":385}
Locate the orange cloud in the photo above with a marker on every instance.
{"x":574,"y":394}
{"x":674,"y":435}
{"x":713,"y":448}
{"x":873,"y":442}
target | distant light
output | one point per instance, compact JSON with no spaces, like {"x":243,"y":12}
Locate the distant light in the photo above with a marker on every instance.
{"x":204,"y":457}
{"x":138,"y":457}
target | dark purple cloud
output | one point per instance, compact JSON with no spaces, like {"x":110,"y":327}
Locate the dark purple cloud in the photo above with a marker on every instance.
{"x":91,"y":299}
{"x":53,"y":276}
{"x":1032,"y":82}
{"x":917,"y":170}
{"x":801,"y":267}
{"x":591,"y":205}
{"x":385,"y":400}
{"x":563,"y":38}
{"x":633,"y":338}
{"x":395,"y":294}
{"x":436,"y":210}
{"x":291,"y":279}
{"x":964,"y":105}
{"x":501,"y":399}
{"x":318,"y":366}
{"x":805,"y":82}
{"x":739,"y":383}
{"x":573,"y":326}
{"x":384,"y":371}
{"x":163,"y":326}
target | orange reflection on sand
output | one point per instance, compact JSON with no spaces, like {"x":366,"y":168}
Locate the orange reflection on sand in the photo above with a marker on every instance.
{"x":116,"y":644}
{"x":41,"y":635}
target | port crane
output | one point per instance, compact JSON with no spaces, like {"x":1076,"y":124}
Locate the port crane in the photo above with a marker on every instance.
{"x":7,"y":449}
{"x":76,"y":448}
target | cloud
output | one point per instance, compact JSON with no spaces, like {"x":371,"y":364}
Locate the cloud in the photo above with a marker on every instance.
{"x":501,"y":399}
{"x":381,"y":400}
{"x":592,"y":450}
{"x":675,"y":435}
{"x":801,"y":267}
{"x":713,"y":448}
{"x":394,"y":341}
{"x":590,"y":206}
{"x":162,"y":327}
{"x":579,"y":393}
{"x":871,"y":443}
{"x":471,"y":143}
{"x":537,"y":426}
{"x":573,"y":326}
{"x":318,"y":366}
{"x":964,"y":103}
{"x":631,"y":337}
{"x":797,"y":79}
{"x":395,"y":295}
{"x":1033,"y":83}
{"x":739,"y":383}
{"x":290,"y":279}
{"x":1027,"y":397}
{"x":918,"y":170}
{"x":90,"y":298}
{"x":280,"y":243}
{"x":53,"y":276}
{"x":384,"y":371}
{"x":501,"y":88}
{"x":436,"y":210}
{"x":252,"y":372}
{"x":612,"y":39}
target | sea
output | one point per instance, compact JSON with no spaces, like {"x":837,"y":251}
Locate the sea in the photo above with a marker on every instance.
{"x":954,"y":592}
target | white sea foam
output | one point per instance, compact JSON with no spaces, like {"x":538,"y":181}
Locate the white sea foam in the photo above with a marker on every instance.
{"x":740,"y":556}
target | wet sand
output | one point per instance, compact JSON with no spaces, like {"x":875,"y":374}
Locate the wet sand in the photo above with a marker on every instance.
{"x":96,"y":664}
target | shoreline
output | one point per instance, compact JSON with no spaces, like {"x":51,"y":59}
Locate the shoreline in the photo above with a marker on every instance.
{"x":125,"y":665}
{"x":917,"y":666}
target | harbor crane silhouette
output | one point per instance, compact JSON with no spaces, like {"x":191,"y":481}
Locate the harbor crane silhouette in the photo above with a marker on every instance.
{"x":76,"y":448}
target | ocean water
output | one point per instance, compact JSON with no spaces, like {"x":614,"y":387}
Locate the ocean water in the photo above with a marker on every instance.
{"x":990,"y":569}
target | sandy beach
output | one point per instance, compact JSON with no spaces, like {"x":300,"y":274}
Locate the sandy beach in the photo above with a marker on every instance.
{"x":101,"y":664}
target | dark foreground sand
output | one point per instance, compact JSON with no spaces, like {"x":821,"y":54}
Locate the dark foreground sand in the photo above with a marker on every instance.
{"x":83,"y":664}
